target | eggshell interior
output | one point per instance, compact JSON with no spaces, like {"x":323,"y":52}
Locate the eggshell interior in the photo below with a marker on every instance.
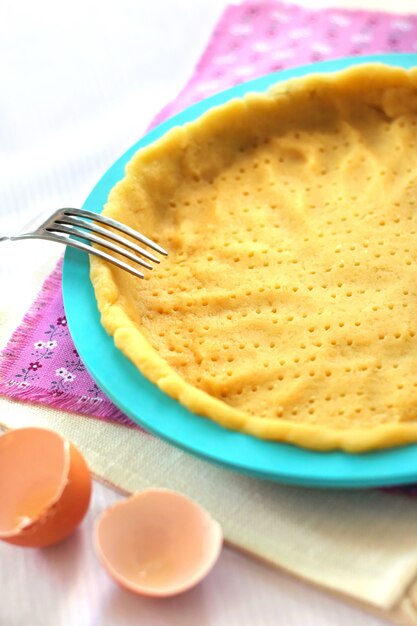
{"x":45,"y":487}
{"x":158,"y":542}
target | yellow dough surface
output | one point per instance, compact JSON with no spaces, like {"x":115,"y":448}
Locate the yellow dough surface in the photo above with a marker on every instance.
{"x":287,"y":307}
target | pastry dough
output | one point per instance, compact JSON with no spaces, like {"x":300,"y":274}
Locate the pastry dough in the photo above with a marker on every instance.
{"x":287,"y":307}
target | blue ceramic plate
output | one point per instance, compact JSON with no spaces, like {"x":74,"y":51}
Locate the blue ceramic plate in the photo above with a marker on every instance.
{"x":144,"y":403}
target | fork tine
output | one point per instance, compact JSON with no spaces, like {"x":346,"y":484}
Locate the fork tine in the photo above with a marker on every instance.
{"x":79,"y":221}
{"x":73,"y":243}
{"x":88,"y":236}
{"x":108,"y":221}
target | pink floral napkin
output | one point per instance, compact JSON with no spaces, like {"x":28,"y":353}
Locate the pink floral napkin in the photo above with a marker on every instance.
{"x":40,"y":363}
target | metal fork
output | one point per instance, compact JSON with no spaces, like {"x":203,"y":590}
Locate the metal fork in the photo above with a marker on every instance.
{"x":67,"y":226}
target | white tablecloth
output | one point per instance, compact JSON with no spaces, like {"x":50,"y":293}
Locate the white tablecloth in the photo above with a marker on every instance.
{"x":80,"y":81}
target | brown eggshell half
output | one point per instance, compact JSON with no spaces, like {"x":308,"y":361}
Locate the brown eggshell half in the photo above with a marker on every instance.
{"x":45,"y":487}
{"x":158,"y":542}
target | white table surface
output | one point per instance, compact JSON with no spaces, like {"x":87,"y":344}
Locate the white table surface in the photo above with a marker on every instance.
{"x":65,"y":585}
{"x":80,"y":82}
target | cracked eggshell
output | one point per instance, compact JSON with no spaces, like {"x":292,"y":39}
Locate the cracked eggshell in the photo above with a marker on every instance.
{"x":45,"y":487}
{"x":158,"y":542}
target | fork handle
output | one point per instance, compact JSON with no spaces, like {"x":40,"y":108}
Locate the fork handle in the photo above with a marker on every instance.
{"x":4,"y":238}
